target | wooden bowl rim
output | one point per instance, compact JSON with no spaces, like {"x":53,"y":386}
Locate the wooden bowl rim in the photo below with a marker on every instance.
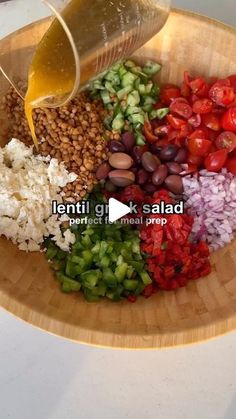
{"x":109,"y":339}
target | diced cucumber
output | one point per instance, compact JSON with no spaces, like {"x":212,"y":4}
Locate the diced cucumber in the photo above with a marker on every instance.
{"x":128,"y":79}
{"x":124,"y":92}
{"x":137,"y":118}
{"x":105,"y":95}
{"x":109,"y":87}
{"x":159,"y":113}
{"x":140,"y":139}
{"x":131,"y":110}
{"x":133,"y":98}
{"x":151,"y":68}
{"x":118,"y":122}
{"x":113,"y":77}
{"x":130,"y":64}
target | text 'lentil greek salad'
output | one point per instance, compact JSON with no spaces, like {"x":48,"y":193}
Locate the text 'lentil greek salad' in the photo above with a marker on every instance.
{"x":166,"y":151}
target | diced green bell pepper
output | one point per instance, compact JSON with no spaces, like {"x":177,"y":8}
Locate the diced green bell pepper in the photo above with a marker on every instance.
{"x":90,"y":278}
{"x":130,"y":284}
{"x":69,"y":285}
{"x":145,"y":278}
{"x":121,"y":271}
{"x":109,"y":278}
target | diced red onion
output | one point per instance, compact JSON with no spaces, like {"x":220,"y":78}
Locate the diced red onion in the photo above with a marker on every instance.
{"x":211,"y":200}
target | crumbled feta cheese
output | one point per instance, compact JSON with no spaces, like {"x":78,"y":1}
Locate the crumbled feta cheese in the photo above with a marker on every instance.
{"x":28,"y":185}
{"x":58,"y":176}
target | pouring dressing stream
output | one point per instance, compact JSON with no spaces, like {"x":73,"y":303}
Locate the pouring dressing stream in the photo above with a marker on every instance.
{"x":86,"y":38}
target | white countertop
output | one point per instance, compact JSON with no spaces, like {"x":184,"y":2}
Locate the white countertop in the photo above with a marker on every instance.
{"x":44,"y":377}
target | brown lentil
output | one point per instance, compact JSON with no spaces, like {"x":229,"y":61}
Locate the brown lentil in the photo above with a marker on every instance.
{"x":73,"y":134}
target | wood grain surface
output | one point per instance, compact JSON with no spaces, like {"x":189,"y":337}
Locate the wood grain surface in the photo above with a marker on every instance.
{"x":205,"y":308}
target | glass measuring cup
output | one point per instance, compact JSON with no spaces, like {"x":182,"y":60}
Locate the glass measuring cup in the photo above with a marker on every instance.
{"x":96,"y":34}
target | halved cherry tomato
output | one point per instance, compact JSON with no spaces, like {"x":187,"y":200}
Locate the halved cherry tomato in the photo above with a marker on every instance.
{"x":211,"y":121}
{"x":198,"y":133}
{"x":204,"y":91}
{"x":185,"y":131}
{"x":233,"y":104}
{"x":231,"y":165}
{"x":212,"y":80}
{"x":226,"y":139}
{"x":195,"y":120}
{"x":222,"y":82}
{"x":215,"y":161}
{"x":185,"y":90}
{"x":197,"y":160}
{"x":222,"y":93}
{"x":213,"y":148}
{"x":232,"y":154}
{"x":229,"y":120}
{"x":193,"y":98}
{"x":181,"y":107}
{"x":169,"y":92}
{"x":233,"y":81}
{"x":203,"y":106}
{"x":188,"y":169}
{"x":218,"y":111}
{"x":176,"y":123}
{"x":199,"y":146}
{"x":159,"y":105}
{"x":173,"y":133}
{"x":210,"y":134}
{"x":148,"y":133}
{"x":199,"y":87}
{"x":197,"y":84}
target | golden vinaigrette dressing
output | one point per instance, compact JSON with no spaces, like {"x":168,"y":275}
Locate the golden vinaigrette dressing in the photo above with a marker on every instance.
{"x":103,"y":33}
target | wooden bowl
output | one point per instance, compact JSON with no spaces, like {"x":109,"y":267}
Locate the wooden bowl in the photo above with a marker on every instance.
{"x":205,"y":308}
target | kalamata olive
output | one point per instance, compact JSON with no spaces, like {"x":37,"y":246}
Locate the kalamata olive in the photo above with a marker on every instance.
{"x":175,"y":184}
{"x":154,"y":149}
{"x":181,"y":156}
{"x":149,"y":188}
{"x":159,"y":175}
{"x":103,"y":171}
{"x":142,"y":177}
{"x":169,"y":152}
{"x":128,"y":140}
{"x":121,"y":161}
{"x":110,"y":187}
{"x":150,"y":162}
{"x":137,"y":153}
{"x":117,"y":147}
{"x":174,"y":168}
{"x":122,"y":178}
